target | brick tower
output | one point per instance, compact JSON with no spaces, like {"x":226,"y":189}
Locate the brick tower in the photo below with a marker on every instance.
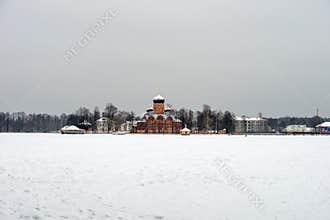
{"x":159,"y":105}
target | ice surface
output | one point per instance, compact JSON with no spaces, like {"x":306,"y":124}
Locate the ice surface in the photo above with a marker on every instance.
{"x":52,"y":176}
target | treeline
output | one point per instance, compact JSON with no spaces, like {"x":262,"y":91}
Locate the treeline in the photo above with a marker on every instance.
{"x":22,"y":122}
{"x":205,"y":119}
{"x":115,"y":116}
{"x":278,"y":124}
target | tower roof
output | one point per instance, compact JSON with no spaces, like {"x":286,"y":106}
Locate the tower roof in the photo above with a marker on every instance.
{"x":158,"y":98}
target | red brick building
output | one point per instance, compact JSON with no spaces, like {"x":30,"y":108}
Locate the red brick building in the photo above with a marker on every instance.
{"x":158,"y":120}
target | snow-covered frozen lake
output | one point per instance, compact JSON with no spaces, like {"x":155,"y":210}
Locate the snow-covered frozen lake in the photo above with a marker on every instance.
{"x":52,"y":176}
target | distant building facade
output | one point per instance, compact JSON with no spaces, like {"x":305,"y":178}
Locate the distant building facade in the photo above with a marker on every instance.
{"x":246,"y":124}
{"x":158,"y":120}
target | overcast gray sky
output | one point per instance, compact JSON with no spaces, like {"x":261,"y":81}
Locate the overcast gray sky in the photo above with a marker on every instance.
{"x":270,"y":56}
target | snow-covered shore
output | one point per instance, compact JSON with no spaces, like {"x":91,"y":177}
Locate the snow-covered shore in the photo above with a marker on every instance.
{"x":52,"y":176}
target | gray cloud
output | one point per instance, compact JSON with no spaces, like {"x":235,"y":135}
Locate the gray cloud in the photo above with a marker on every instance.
{"x":246,"y":56}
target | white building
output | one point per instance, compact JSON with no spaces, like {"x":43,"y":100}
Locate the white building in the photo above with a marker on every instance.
{"x":298,"y":129}
{"x":102,"y":125}
{"x":246,"y":124}
{"x":127,"y":126}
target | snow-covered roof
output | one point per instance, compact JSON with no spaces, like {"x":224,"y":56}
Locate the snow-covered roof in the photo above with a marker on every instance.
{"x":292,"y":128}
{"x":186,"y":129}
{"x":158,"y":97}
{"x":102,"y":119}
{"x":249,"y":119}
{"x":70,"y":128}
{"x":296,"y":127}
{"x":324,"y":124}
